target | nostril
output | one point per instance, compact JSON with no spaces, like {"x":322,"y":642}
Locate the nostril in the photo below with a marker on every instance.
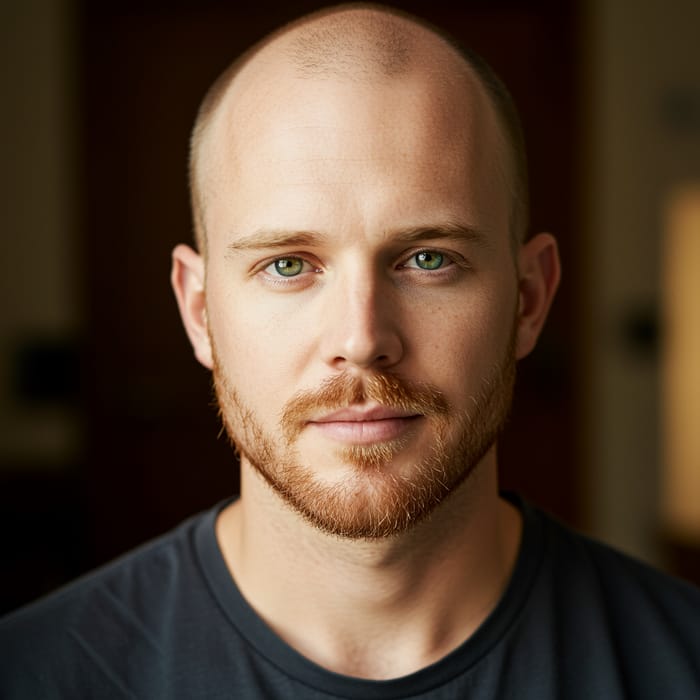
{"x":363,"y":344}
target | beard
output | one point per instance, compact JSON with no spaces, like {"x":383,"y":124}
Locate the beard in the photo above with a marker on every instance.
{"x":373,"y":499}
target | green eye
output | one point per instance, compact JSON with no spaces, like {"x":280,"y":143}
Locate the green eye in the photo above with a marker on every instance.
{"x":289,"y":267}
{"x":428,"y":260}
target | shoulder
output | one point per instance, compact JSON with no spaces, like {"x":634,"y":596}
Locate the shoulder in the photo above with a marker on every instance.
{"x":153,"y":565}
{"x":615,"y":626}
{"x":644,"y":619}
{"x":75,"y":636}
{"x":615,"y":574}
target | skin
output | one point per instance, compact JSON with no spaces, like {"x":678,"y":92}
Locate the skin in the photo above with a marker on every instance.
{"x":360,"y":164}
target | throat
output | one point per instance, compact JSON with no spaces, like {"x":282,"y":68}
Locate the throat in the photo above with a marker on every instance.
{"x":376,"y":609}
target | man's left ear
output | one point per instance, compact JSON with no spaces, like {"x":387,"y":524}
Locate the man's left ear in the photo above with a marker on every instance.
{"x":538,"y":278}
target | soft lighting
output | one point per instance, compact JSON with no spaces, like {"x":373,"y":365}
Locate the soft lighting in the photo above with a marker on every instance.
{"x":681,"y":468}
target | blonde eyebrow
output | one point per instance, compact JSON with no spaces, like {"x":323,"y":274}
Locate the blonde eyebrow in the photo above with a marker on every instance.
{"x":276,"y":238}
{"x":450,"y":231}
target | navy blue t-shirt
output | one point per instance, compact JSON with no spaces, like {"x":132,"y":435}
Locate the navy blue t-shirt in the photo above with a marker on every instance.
{"x":577,"y":620}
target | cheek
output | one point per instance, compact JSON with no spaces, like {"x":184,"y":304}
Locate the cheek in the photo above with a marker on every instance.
{"x":249,"y":351}
{"x":470,"y":342}
{"x":258,"y":348}
{"x":461,"y":350}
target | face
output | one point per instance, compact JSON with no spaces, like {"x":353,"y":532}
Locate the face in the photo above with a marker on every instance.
{"x":361,"y":293}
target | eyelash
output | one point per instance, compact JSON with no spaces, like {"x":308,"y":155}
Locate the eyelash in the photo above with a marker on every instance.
{"x":449,"y":259}
{"x":289,"y":278}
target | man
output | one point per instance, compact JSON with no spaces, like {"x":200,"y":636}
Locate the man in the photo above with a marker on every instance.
{"x":362,"y":292}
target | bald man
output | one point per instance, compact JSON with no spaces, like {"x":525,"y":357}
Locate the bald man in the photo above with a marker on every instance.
{"x":361,"y":291}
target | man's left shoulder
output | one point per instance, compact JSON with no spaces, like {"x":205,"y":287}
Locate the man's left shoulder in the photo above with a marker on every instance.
{"x":639,"y":598}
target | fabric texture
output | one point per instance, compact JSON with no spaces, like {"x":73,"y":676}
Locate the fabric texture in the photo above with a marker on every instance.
{"x":577,"y":620}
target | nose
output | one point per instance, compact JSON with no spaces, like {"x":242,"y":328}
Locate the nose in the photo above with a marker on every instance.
{"x":361,"y":326}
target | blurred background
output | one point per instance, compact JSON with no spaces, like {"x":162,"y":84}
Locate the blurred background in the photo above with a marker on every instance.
{"x":107,"y":431}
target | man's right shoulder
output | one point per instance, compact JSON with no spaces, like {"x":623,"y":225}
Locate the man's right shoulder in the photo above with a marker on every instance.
{"x":113,"y":614}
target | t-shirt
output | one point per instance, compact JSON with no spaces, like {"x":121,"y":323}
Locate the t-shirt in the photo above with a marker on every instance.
{"x":577,"y":620}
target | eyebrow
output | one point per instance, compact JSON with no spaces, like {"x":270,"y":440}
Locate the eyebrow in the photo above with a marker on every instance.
{"x":449,"y":231}
{"x":281,"y":238}
{"x":276,"y":238}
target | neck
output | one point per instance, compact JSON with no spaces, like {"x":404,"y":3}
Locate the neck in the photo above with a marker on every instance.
{"x":373,"y":609}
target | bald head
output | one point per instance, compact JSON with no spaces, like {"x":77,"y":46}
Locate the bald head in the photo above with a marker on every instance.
{"x":353,"y":44}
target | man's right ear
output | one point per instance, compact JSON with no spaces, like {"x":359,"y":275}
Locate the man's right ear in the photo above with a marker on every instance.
{"x":187,"y":278}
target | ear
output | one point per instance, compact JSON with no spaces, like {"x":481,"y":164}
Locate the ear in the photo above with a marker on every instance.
{"x":187,"y":278}
{"x":538,"y":274}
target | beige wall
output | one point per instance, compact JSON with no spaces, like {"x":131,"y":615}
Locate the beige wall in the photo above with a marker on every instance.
{"x":642,"y":65}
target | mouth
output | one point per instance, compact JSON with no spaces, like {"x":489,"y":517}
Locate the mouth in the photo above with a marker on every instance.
{"x":364,"y":426}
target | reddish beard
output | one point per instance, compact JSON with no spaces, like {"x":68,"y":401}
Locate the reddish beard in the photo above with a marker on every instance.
{"x":373,"y":500}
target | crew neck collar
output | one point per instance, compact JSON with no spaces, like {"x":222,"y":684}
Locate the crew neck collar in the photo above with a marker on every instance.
{"x":247,"y":624}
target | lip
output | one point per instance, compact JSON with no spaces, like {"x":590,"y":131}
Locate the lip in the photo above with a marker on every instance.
{"x":361,"y":414}
{"x":364,"y":425}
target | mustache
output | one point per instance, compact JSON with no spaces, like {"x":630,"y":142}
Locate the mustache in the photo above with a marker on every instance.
{"x":345,"y":390}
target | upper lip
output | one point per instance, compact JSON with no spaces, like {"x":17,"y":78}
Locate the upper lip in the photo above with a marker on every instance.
{"x":357,"y":414}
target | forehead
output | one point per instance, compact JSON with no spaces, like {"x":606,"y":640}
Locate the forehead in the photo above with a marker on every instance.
{"x":428,"y":136}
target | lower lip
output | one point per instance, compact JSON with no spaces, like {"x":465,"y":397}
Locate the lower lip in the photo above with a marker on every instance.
{"x":366,"y":432}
